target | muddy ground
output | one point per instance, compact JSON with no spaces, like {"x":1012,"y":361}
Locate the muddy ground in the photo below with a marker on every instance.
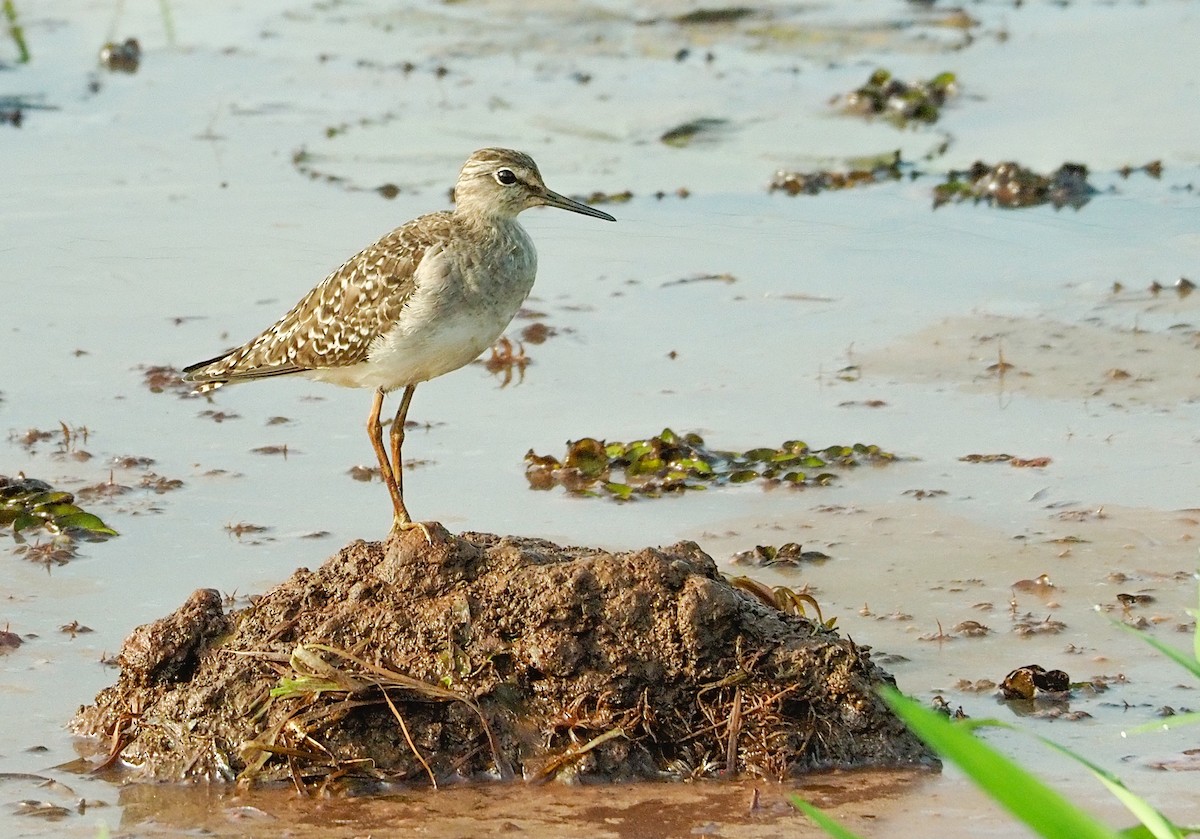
{"x":479,"y":656}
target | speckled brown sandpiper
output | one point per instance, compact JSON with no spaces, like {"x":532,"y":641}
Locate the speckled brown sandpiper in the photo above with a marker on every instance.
{"x":425,"y":299}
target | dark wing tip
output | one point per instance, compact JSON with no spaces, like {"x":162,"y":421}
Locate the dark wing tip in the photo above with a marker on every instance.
{"x":200,"y":365}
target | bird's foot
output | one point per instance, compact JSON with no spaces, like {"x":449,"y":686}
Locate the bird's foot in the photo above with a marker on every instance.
{"x":401,"y":525}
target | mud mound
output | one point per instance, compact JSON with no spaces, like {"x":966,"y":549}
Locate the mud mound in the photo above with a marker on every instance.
{"x":489,"y":656}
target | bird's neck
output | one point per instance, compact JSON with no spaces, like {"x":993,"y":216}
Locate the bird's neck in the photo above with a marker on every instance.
{"x":502,"y":223}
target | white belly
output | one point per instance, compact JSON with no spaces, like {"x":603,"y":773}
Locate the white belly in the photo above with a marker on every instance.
{"x":458,"y":309}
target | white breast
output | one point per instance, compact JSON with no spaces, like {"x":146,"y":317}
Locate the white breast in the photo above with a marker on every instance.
{"x":463,"y":300}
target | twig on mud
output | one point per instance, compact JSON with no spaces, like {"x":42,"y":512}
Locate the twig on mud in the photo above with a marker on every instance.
{"x":426,"y":689}
{"x":555,"y":764}
{"x":735,"y":728}
{"x":314,"y":675}
{"x":408,"y":739}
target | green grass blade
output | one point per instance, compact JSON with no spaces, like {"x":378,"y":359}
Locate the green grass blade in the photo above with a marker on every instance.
{"x":825,"y":822}
{"x":1167,"y":723}
{"x":1155,"y":822}
{"x":1176,"y":655}
{"x":1043,"y":809}
{"x":1142,"y":832}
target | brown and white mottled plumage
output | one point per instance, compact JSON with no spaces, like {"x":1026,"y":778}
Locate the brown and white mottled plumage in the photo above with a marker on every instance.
{"x":425,"y":299}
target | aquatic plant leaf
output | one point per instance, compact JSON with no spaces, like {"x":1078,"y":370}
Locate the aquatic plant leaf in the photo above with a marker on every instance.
{"x":28,"y":504}
{"x":692,"y":464}
{"x":943,"y":80}
{"x":687,"y":133}
{"x":24,"y":521}
{"x":49,"y":497}
{"x":588,"y":456}
{"x":86,"y":522}
{"x":760,"y":455}
{"x":622,"y":492}
{"x":54,"y":511}
{"x":647,"y":466}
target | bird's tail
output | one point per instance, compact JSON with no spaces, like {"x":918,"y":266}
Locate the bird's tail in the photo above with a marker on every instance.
{"x":207,"y":379}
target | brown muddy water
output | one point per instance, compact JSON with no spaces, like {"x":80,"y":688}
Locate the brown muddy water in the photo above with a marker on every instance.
{"x":151,"y":218}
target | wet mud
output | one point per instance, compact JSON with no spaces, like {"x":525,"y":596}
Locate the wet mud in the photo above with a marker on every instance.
{"x":480,"y":656}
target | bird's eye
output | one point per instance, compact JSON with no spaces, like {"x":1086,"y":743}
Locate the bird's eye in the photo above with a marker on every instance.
{"x":506,"y":177}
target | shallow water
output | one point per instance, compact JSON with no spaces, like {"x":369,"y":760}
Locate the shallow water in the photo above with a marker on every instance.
{"x":163,"y":218}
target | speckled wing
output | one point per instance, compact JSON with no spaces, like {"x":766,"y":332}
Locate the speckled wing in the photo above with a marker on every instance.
{"x":335,"y":324}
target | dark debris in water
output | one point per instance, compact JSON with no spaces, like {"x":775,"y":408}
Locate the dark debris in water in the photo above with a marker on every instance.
{"x":13,"y":108}
{"x":67,"y":440}
{"x":29,"y":507}
{"x":1183,"y":287}
{"x":124,"y":57}
{"x":537,"y":333}
{"x":726,"y":278}
{"x":623,"y":197}
{"x":75,"y":628}
{"x":9,"y":641}
{"x":1011,"y":185}
{"x":1019,"y":462}
{"x":219,"y":416}
{"x":1033,"y":679}
{"x":788,"y":555}
{"x":163,"y":378}
{"x":507,"y":360}
{"x":673,"y":463}
{"x":1154,"y":169}
{"x":702,"y":129}
{"x":900,"y":102}
{"x":707,"y":17}
{"x":880,"y":170}
{"x":275,"y":449}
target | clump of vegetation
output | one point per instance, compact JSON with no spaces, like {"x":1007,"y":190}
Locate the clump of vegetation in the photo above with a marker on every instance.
{"x":673,"y":463}
{"x":1011,"y":185}
{"x":863,"y":173}
{"x":900,"y":102}
{"x":27,"y":504}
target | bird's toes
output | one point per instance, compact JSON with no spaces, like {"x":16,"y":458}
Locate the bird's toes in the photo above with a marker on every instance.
{"x":399,"y":527}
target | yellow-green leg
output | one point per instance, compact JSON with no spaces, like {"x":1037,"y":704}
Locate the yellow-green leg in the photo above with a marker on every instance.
{"x":402,"y":517}
{"x":375,"y":432}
